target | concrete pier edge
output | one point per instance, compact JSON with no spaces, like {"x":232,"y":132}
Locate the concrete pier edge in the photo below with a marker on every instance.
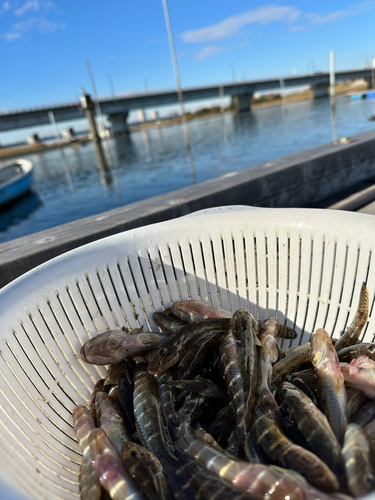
{"x":297,"y":180}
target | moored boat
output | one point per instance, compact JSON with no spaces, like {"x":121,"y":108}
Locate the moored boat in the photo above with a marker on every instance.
{"x":15,"y":179}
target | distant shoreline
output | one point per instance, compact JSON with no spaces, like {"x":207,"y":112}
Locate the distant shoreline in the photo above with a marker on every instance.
{"x":269,"y":100}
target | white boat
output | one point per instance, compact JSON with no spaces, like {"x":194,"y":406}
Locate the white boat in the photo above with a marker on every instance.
{"x":15,"y":179}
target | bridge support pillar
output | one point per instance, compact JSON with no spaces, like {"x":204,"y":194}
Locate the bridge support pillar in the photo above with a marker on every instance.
{"x":242,"y":102}
{"x":119,"y":123}
{"x":368,"y":80}
{"x":320,"y":90}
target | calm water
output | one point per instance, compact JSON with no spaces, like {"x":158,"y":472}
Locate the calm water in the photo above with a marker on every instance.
{"x":153,"y":162}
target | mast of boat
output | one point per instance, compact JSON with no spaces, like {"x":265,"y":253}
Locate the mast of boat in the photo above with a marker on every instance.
{"x":179,"y":91}
{"x":56,"y":132}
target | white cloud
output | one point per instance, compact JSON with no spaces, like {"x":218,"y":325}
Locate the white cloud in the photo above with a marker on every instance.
{"x":6,"y":5}
{"x":33,"y":5}
{"x":208,"y":51}
{"x":29,"y":5}
{"x":231,"y":25}
{"x":9,"y":37}
{"x":38,"y":24}
{"x":313,"y":19}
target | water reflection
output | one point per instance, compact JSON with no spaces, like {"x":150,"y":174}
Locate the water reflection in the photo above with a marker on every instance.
{"x":18,"y":210}
{"x":152,"y":162}
{"x":333,"y":118}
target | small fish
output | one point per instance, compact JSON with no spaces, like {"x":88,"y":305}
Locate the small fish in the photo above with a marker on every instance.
{"x":347,"y":354}
{"x":153,"y":431}
{"x":245,"y":328}
{"x":98,"y":387}
{"x":360,"y":374}
{"x":352,"y":334}
{"x":231,"y":370}
{"x":146,"y":471}
{"x":83,"y":423}
{"x":282,"y":331}
{"x":258,"y":480}
{"x":194,"y":357}
{"x":267,"y":336}
{"x":115,"y":345}
{"x":364,"y":414}
{"x":167,"y":321}
{"x":315,"y":428}
{"x":108,"y":465}
{"x":110,"y":420}
{"x":299,"y":356}
{"x":280,"y":449}
{"x":358,"y":462}
{"x":176,"y":345}
{"x":167,"y":399}
{"x":192,"y":311}
{"x":203,"y":387}
{"x":356,"y":399}
{"x":330,"y":382}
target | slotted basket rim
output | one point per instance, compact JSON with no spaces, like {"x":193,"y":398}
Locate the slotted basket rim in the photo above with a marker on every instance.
{"x":34,"y":287}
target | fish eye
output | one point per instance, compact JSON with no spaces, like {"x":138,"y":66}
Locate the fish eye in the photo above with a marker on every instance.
{"x":163,"y":351}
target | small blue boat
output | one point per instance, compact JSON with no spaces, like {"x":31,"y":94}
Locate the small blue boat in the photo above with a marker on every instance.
{"x":15,"y":179}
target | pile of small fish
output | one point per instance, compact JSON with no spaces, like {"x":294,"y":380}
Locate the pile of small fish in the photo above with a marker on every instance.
{"x":212,"y":409}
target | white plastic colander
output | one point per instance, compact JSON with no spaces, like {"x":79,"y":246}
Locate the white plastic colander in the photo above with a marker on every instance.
{"x":304,"y":266}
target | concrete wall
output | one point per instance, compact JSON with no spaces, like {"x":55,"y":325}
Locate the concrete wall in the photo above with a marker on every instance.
{"x":297,"y":180}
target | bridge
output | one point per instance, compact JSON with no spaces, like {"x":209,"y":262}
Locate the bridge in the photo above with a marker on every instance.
{"x":117,"y":108}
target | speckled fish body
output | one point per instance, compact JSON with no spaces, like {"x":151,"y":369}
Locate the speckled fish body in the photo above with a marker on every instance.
{"x":98,"y":387}
{"x":146,"y":470}
{"x":364,"y":414}
{"x":358,"y":462}
{"x":351,"y":335}
{"x":173,"y":348}
{"x":167,"y":399}
{"x":347,"y":354}
{"x":115,"y":345}
{"x":314,"y":427}
{"x":108,"y":465}
{"x":356,"y":399}
{"x":126,"y":387}
{"x":195,"y":355}
{"x":222,"y":424}
{"x":282,"y":331}
{"x":110,"y":419}
{"x":114,"y":372}
{"x":245,"y":329}
{"x":203,"y":387}
{"x":252,"y":450}
{"x":168,"y":323}
{"x":231,"y":370}
{"x":192,"y":311}
{"x":360,"y":374}
{"x":295,"y":358}
{"x":256,"y":479}
{"x":274,"y":443}
{"x":83,"y":424}
{"x":330,"y":382}
{"x":302,"y":386}
{"x":267,"y":336}
{"x":153,"y":431}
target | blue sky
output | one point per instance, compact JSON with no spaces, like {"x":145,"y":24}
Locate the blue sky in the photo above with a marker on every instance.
{"x":44,"y":43}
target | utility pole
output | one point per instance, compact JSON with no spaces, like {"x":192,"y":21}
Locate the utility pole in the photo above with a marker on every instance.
{"x":332,"y":74}
{"x":179,"y":91}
